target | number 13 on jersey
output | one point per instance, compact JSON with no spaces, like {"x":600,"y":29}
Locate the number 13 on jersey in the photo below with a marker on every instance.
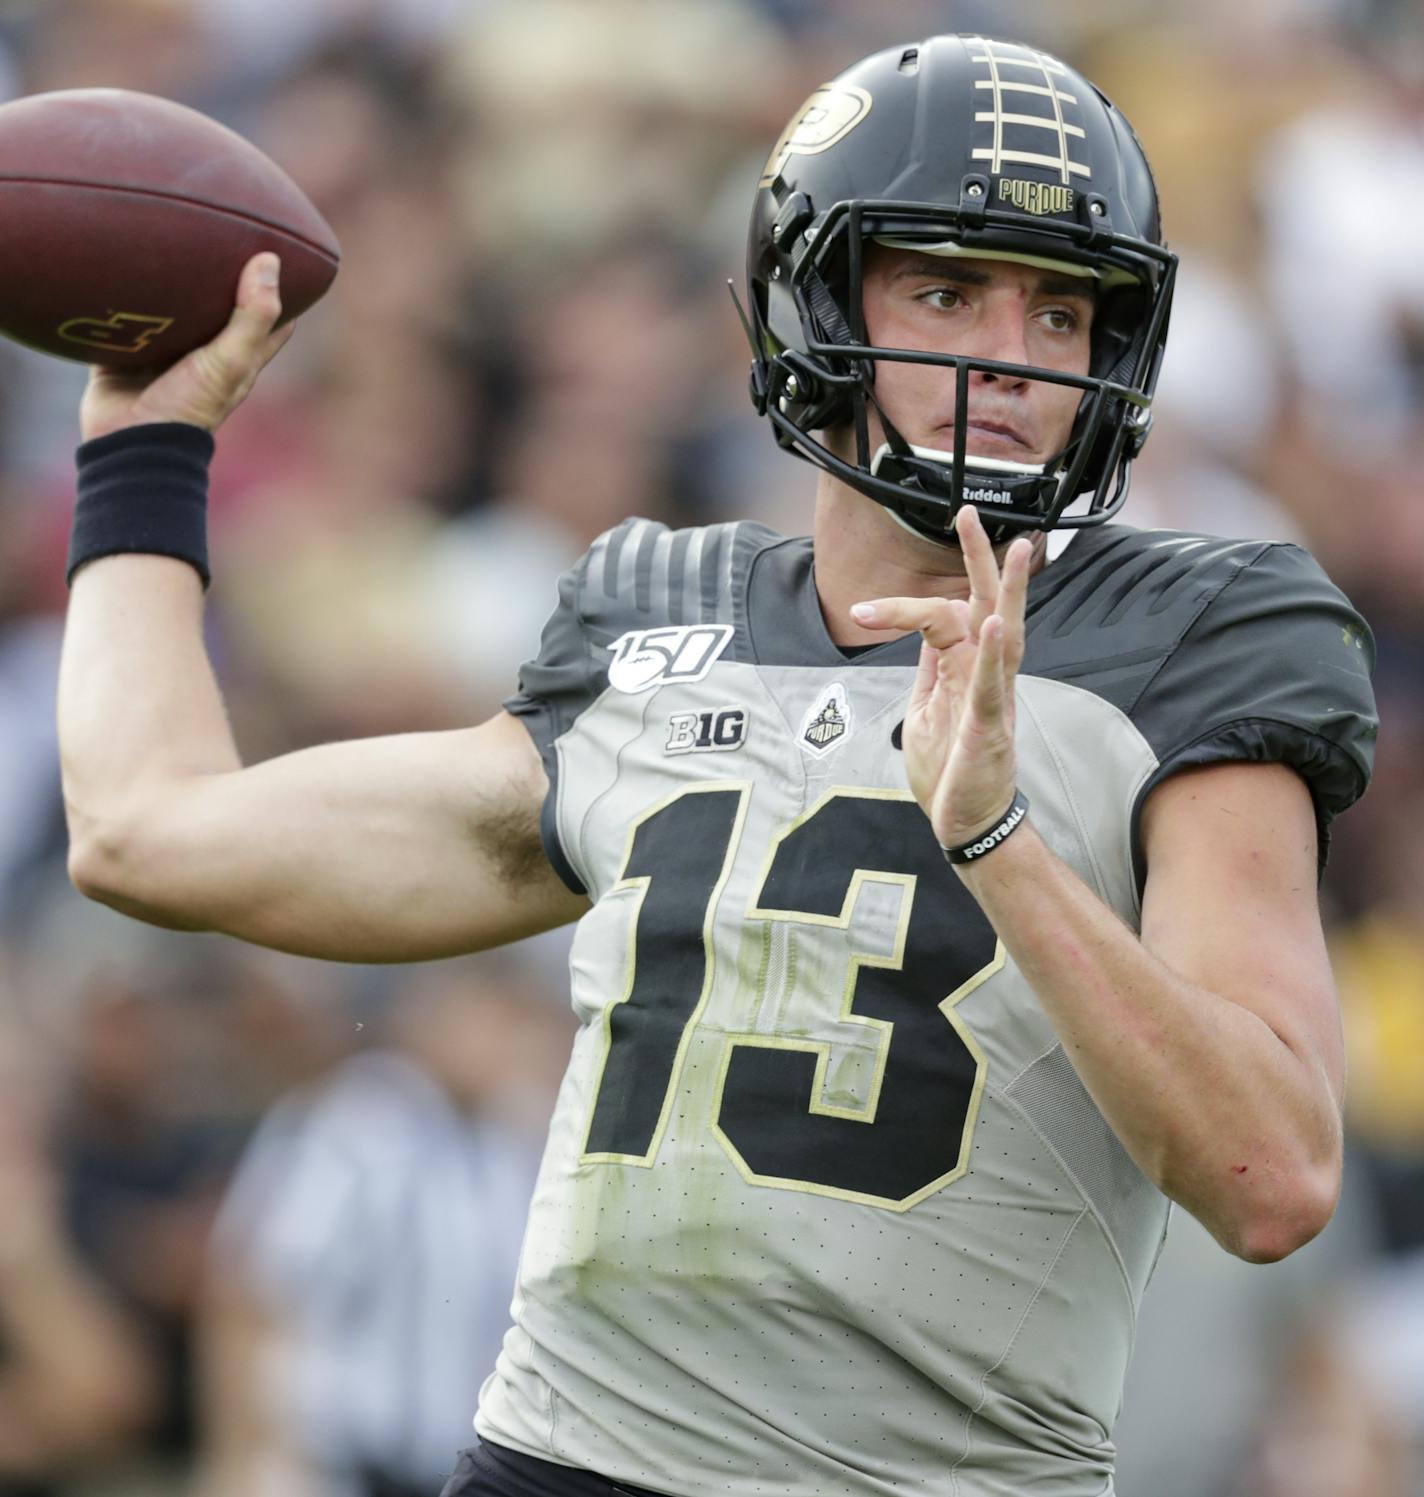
{"x":909,"y":1134}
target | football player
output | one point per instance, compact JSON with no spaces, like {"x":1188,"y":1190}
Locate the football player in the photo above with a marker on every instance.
{"x":946,"y":912}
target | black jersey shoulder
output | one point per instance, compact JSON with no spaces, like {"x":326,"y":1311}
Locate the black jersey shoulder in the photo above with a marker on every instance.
{"x":639,"y":575}
{"x":1216,"y":650}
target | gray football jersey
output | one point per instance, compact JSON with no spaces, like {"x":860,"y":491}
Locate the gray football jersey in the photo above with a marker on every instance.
{"x":825,"y":1207}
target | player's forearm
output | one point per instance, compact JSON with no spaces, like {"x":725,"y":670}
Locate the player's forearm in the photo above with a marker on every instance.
{"x":1210,"y":1102}
{"x":138,"y":703}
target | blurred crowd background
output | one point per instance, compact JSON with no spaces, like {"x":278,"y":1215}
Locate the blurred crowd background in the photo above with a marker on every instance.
{"x":258,"y":1215}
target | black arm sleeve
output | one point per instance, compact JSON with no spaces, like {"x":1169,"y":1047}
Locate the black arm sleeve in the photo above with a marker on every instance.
{"x":1276,"y":668}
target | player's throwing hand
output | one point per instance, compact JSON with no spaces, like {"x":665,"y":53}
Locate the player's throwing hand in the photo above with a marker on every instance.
{"x":206,"y":386}
{"x":959,"y":727}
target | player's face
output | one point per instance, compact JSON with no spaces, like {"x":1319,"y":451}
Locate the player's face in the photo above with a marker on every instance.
{"x":988,"y":309}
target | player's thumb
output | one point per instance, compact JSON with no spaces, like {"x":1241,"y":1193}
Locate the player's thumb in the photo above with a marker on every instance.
{"x":237,"y":355}
{"x":217,"y":377}
{"x":259,"y":301}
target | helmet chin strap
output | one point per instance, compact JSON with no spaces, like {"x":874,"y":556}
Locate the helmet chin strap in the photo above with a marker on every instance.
{"x":947,"y":539}
{"x":930,"y":471}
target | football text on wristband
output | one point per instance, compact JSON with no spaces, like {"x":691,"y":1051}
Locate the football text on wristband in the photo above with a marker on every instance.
{"x":986,"y":842}
{"x":143,"y":489}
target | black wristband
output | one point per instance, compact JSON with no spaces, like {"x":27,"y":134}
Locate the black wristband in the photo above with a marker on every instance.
{"x":986,"y":842}
{"x":143,"y":489}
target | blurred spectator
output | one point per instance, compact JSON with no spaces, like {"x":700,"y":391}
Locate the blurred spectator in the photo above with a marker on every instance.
{"x":1217,"y":407}
{"x":1330,"y":1432}
{"x":78,"y":1379}
{"x":29,"y":756}
{"x":155,"y":46}
{"x":366,"y":1253}
{"x":1343,"y":269}
{"x":266,"y":38}
{"x":1216,"y":1339}
{"x":585,"y":123}
{"x":1381,"y":1327}
{"x":152,"y":1042}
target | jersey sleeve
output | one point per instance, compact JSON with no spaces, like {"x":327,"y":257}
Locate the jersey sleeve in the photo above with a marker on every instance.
{"x":1275,"y":669}
{"x":565,"y":677}
{"x":639,"y":575}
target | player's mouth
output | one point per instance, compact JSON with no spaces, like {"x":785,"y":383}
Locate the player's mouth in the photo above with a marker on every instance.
{"x":988,"y":439}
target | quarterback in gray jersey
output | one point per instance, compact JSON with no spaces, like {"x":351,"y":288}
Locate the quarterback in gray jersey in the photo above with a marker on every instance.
{"x":863,"y":1159}
{"x":945,"y":912}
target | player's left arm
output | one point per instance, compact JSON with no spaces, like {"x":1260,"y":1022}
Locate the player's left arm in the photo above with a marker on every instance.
{"x":1211,"y":1042}
{"x":1230,"y":907}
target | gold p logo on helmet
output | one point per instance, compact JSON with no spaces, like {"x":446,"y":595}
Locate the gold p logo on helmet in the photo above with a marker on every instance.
{"x":828,"y":116}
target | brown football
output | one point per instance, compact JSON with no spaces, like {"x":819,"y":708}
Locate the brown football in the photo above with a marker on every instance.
{"x":125,"y":221}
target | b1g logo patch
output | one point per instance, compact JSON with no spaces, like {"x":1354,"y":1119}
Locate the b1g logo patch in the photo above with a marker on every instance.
{"x":645,"y":658}
{"x":715,"y":732}
{"x":828,"y":116}
{"x":828,"y":723}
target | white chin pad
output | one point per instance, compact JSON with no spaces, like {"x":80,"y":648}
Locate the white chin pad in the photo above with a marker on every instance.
{"x":971,"y":464}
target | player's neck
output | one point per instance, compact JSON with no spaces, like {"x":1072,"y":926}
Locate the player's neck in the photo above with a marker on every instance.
{"x":863,"y":552}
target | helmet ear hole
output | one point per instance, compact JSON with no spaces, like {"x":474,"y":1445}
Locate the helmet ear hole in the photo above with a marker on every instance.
{"x":812,"y":398}
{"x":1118,"y":322}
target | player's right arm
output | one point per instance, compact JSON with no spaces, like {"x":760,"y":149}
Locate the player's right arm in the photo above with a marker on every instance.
{"x":392,"y":849}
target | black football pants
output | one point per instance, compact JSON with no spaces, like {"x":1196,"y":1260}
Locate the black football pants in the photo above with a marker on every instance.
{"x":486,"y":1470}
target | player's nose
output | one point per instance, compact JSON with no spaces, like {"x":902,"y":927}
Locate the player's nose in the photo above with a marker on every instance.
{"x":1002,"y":334}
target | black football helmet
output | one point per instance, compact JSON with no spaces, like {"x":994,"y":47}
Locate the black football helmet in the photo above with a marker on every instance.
{"x":959,"y":145}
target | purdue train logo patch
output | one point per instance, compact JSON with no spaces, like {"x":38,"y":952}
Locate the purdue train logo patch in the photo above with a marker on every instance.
{"x":828,"y":723}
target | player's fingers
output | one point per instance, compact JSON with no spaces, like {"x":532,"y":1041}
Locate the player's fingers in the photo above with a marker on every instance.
{"x":1013,"y":600}
{"x":926,"y":674}
{"x":942,"y":621}
{"x":979,"y":563}
{"x":987,"y":686}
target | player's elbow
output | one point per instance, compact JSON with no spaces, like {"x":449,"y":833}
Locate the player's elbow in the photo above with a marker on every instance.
{"x":96,"y":861}
{"x":1299,"y":1214}
{"x":107,"y":864}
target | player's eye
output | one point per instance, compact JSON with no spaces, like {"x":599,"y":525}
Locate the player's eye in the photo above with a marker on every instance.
{"x":941,"y":298}
{"x":1060,"y":319}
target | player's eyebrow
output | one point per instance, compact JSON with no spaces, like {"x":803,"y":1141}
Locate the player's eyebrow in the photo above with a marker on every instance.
{"x":939,"y":268}
{"x":1069,"y":285}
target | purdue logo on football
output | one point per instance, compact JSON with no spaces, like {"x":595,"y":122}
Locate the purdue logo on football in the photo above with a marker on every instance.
{"x":828,"y":722}
{"x":120,"y":332}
